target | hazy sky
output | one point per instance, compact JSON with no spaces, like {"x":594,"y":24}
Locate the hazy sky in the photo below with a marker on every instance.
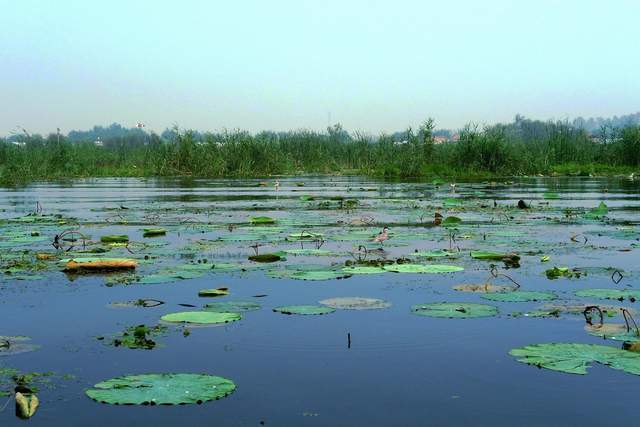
{"x":373,"y":65}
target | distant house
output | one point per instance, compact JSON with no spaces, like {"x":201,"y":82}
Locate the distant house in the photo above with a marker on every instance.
{"x":400,"y":142}
{"x":455,"y":137}
{"x":440,"y":139}
{"x":19,"y":143}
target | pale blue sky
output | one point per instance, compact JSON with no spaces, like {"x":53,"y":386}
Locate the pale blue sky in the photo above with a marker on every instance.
{"x":374,"y":65}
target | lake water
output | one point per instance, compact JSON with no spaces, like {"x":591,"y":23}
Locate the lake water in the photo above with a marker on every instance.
{"x":398,"y":369}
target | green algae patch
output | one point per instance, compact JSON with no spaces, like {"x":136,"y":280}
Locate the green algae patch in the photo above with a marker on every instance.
{"x":161,"y":389}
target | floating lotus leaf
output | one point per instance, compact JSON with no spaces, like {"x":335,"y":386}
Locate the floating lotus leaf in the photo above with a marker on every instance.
{"x":201,"y":317}
{"x":494,"y":256}
{"x":305,"y":235}
{"x":16,"y":345}
{"x":520,"y":296}
{"x":308,"y":274}
{"x":213,"y":292}
{"x":232,"y":306}
{"x":139,"y":337}
{"x":422,"y":268}
{"x":161,"y":389}
{"x":451,"y":221}
{"x":454,"y":310}
{"x":597,"y":213}
{"x":613,"y":331}
{"x":152,"y":232}
{"x":556,"y":272}
{"x":304,"y":309}
{"x":550,"y":195}
{"x":113,"y":238}
{"x":262,"y":220}
{"x":484,"y":288}
{"x":265,"y":258}
{"x":452,"y":202}
{"x":619,"y":294}
{"x":576,"y":358}
{"x":312,"y":252}
{"x":355,"y":303}
{"x":169,"y":277}
{"x":364,"y":269}
{"x":435,"y":254}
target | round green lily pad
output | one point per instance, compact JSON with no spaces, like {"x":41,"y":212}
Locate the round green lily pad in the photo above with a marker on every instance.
{"x":434,"y":254}
{"x":232,"y":306}
{"x":619,"y":294}
{"x":308,"y":274}
{"x":310,"y":251}
{"x":421,"y":268}
{"x":519,"y":296}
{"x":576,"y":358}
{"x":262,"y":220}
{"x":355,"y":303}
{"x":200,"y":317}
{"x":304,"y":309}
{"x":613,"y":331}
{"x":454,"y":310}
{"x":364,"y":269}
{"x":16,"y":345}
{"x":161,"y":389}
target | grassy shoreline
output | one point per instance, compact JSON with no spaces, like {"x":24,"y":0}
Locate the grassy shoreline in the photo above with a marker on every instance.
{"x":522,"y":148}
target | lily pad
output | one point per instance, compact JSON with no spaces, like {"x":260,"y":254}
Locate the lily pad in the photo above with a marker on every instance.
{"x":597,"y":213}
{"x":161,"y":389}
{"x":115,"y":238}
{"x":201,"y":317}
{"x":576,"y":358}
{"x":262,"y":220}
{"x":265,"y":258}
{"x":451,"y":221}
{"x":16,"y":345}
{"x":304,"y":274}
{"x":355,"y":303}
{"x":442,"y":253}
{"x":519,"y":296}
{"x":232,"y":306}
{"x":461,"y":310}
{"x":364,"y":269}
{"x":613,"y":331}
{"x":304,"y":309}
{"x":219,"y":292}
{"x":619,"y":294}
{"x":484,"y":288}
{"x":493,"y":256}
{"x":422,"y":268}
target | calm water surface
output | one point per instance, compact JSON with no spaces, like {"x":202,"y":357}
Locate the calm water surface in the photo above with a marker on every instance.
{"x":400,"y":370}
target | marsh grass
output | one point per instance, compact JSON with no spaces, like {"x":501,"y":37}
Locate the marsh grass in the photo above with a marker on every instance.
{"x":523,"y":147}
